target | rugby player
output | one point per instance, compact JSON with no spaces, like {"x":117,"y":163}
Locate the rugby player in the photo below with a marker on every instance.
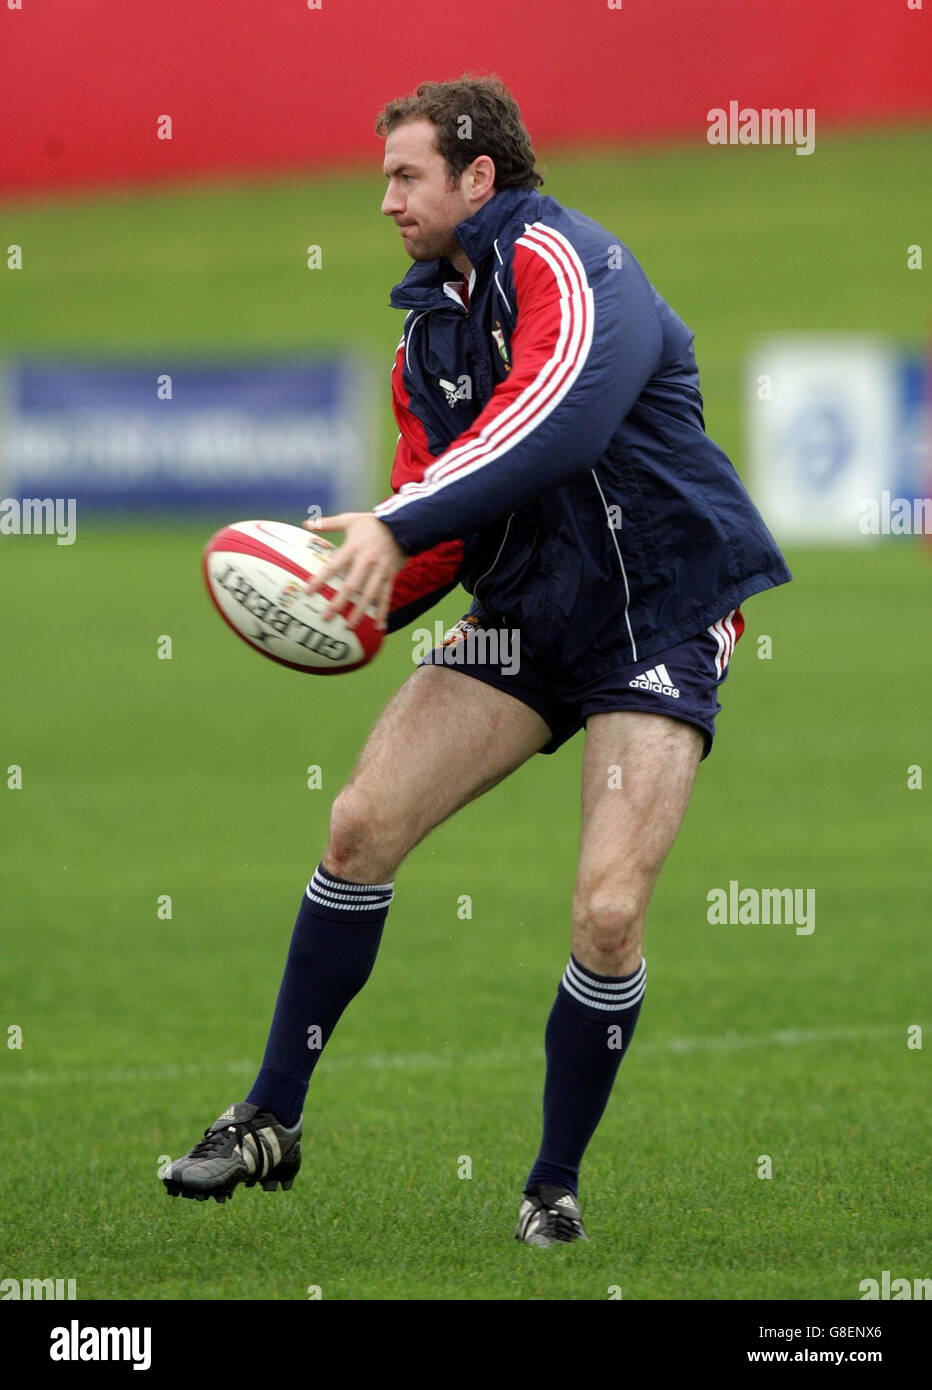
{"x":552,"y":458}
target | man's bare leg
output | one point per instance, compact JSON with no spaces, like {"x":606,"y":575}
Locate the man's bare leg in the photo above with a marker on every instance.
{"x":638,"y":772}
{"x":442,"y":740}
{"x":627,"y":830}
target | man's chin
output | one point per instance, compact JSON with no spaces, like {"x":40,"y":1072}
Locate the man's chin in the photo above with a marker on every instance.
{"x":425,"y":251}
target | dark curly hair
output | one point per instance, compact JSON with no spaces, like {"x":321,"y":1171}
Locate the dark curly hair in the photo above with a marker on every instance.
{"x":473,"y":116}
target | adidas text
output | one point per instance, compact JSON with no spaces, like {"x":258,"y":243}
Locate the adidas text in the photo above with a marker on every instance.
{"x":658,"y":680}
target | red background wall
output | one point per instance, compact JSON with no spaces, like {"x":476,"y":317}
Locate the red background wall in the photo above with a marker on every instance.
{"x":258,"y":84}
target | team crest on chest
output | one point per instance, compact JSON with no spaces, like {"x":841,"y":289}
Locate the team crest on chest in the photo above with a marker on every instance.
{"x":498,"y":337}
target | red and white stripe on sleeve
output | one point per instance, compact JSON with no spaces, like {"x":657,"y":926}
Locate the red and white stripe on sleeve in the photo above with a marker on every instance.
{"x":549,"y":347}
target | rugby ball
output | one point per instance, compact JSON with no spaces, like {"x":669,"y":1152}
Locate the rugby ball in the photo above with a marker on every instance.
{"x":256,"y":572}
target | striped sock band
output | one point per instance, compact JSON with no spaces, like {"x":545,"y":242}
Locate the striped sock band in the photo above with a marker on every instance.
{"x":608,"y":993}
{"x":330,"y":894}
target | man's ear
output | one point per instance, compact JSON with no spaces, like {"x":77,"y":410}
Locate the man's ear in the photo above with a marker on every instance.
{"x":481,"y":176}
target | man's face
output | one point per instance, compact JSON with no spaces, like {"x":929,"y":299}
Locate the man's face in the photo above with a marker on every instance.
{"x":425,"y":206}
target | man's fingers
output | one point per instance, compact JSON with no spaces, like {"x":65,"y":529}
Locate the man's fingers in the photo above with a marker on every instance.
{"x":372,"y":592}
{"x":365,"y":564}
{"x":352,"y":584}
{"x":385,"y":599}
{"x":364,"y":601}
{"x":328,"y":523}
{"x":333,"y":567}
{"x":381,"y":597}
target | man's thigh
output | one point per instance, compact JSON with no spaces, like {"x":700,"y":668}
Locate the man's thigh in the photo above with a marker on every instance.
{"x":441,"y":741}
{"x":638,"y":773}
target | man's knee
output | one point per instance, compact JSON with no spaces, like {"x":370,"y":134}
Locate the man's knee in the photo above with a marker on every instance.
{"x":363,"y":844}
{"x":609,"y":921}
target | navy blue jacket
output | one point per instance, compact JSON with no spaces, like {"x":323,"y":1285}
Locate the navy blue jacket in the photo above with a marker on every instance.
{"x":552,"y":454}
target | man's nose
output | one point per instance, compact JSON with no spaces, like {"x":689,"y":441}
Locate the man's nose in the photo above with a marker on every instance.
{"x":391,"y":203}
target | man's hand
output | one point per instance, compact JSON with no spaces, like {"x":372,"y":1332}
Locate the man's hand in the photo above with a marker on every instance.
{"x":368,"y":559}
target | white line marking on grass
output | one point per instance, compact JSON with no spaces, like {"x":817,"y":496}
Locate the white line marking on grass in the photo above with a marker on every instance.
{"x":436,"y":1061}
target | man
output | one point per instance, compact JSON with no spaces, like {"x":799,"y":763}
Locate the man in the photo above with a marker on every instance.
{"x":552,"y":458}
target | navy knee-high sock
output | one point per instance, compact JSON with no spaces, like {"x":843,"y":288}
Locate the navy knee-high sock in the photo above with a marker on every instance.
{"x":333,"y":949}
{"x":588,"y":1032}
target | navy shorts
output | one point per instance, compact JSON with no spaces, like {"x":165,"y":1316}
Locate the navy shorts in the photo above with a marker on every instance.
{"x":681,"y":682}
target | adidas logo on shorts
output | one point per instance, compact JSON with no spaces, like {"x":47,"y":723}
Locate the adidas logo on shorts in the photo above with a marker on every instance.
{"x":658,"y":680}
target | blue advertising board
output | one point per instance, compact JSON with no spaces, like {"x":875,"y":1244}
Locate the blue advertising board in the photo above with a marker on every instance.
{"x":249,"y":438}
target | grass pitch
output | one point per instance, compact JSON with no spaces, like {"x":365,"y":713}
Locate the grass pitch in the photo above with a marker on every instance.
{"x":188,"y":778}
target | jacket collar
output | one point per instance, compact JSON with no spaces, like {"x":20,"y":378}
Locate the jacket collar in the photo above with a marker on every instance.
{"x":422,"y":287}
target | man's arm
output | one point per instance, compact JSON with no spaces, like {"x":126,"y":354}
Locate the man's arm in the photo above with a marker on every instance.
{"x":403,"y":586}
{"x":423,"y":581}
{"x":428,"y":575}
{"x":585,"y":344}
